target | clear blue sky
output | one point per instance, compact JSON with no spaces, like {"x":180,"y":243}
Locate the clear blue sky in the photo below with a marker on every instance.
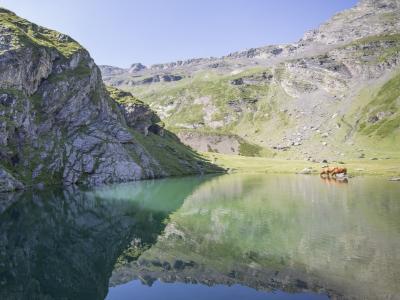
{"x":121,"y":32}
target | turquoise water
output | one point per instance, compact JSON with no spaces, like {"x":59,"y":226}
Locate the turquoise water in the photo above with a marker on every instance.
{"x":224,"y":237}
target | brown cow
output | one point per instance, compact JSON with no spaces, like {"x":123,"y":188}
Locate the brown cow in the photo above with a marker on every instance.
{"x":326,"y":171}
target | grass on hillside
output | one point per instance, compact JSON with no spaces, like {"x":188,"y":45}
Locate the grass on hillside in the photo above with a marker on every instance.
{"x":122,"y":97}
{"x":223,"y":96}
{"x":385,"y":52}
{"x":174,"y":157}
{"x":243,"y":164}
{"x":386,"y":100}
{"x":26,"y":33}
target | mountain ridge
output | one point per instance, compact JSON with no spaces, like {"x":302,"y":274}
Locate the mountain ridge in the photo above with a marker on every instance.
{"x":310,"y":35}
{"x":268,"y":96}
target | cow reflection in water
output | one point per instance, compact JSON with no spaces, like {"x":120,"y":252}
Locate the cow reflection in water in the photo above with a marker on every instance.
{"x":334,"y":181}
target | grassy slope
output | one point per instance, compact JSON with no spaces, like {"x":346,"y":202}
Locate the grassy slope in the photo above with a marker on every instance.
{"x":249,"y":124}
{"x":379,"y":139}
{"x":265,"y":118}
{"x":387,"y":100}
{"x":122,"y":97}
{"x":218,"y":87}
{"x":174,"y":157}
{"x":204,"y":83}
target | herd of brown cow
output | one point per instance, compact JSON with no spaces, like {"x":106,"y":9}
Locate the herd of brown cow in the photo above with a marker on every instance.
{"x":332,"y":171}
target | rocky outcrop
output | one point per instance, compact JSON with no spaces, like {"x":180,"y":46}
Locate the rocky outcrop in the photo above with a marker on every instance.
{"x":157,"y":78}
{"x":138,"y":74}
{"x":136,"y":67}
{"x":367,"y":18}
{"x":180,"y":63}
{"x":137,"y":114}
{"x":58,"y":123}
{"x":211,"y":142}
{"x":111,"y":71}
{"x":127,"y":80}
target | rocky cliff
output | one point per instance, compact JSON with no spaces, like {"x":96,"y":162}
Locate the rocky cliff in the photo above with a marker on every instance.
{"x":59,"y":124}
{"x":333,"y":94}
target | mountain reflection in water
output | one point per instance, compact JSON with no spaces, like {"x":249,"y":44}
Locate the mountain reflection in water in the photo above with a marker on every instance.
{"x":226,"y":237}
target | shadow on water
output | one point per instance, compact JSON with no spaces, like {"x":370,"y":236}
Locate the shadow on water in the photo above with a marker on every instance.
{"x":64,"y":244}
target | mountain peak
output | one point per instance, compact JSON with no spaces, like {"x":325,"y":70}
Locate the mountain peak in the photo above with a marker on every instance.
{"x":392,"y":4}
{"x":135,"y":67}
{"x":367,"y":18}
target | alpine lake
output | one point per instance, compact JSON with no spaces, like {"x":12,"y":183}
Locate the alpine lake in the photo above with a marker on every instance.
{"x":236,"y":236}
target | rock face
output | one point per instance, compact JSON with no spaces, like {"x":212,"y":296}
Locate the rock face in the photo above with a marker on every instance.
{"x":136,"y":67}
{"x":333,"y":89}
{"x":59,"y":124}
{"x":8,"y":182}
{"x":137,"y":114}
{"x":367,"y":18}
{"x":211,"y":143}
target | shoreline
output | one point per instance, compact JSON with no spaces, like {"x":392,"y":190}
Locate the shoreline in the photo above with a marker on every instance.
{"x":236,"y":164}
{"x":361,"y":167}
